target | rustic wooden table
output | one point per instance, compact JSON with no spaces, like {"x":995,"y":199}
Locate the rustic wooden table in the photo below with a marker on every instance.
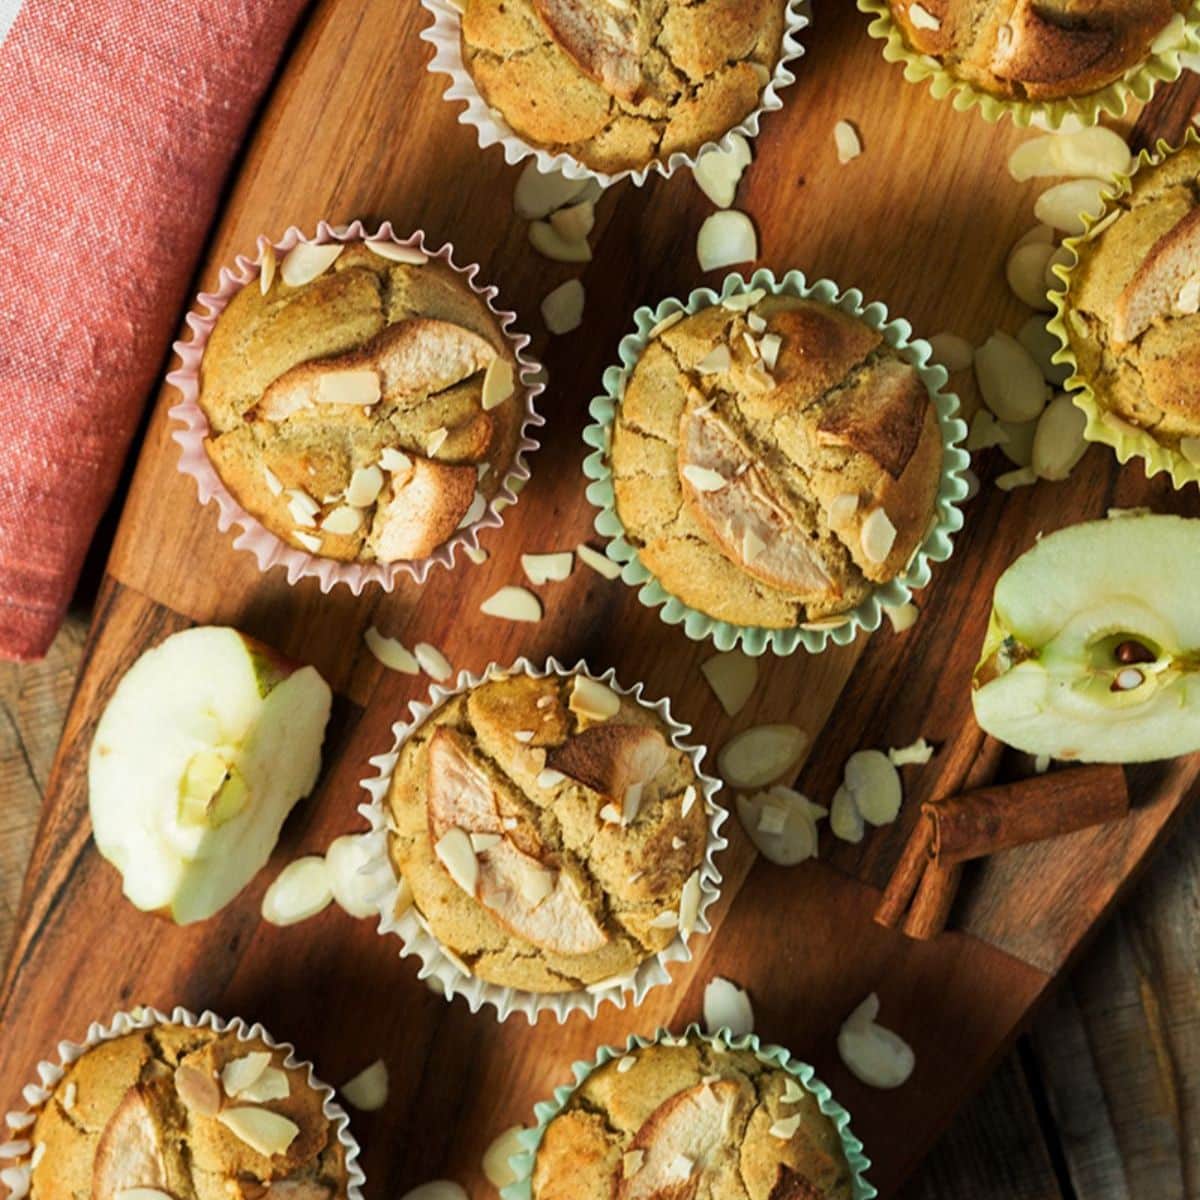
{"x":1100,"y":1102}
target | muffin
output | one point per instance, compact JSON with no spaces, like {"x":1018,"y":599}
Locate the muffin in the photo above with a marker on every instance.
{"x":362,"y":409}
{"x":619,"y":84}
{"x":191,"y":1113}
{"x":691,"y":1117}
{"x":1131,"y":316}
{"x":550,"y":831}
{"x":773,"y":459}
{"x":1035,"y":50}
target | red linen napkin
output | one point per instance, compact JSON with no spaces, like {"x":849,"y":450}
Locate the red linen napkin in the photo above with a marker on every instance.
{"x":118,"y":122}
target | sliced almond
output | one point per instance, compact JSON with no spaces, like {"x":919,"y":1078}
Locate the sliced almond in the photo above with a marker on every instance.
{"x":302,"y":506}
{"x":781,"y":824}
{"x":951,"y":351}
{"x":365,"y":485}
{"x":1021,"y":477}
{"x":1095,"y":152}
{"x":309,"y":541}
{"x":562,"y":309}
{"x":732,"y":676}
{"x":575,"y":222}
{"x":1039,"y":233}
{"x":847,"y":142}
{"x":133,"y":1193}
{"x":844,"y":818}
{"x":902,"y":616}
{"x":368,"y":1090}
{"x":271,"y":1085}
{"x":877,"y":536}
{"x":768,"y":347}
{"x":689,"y":904}
{"x":301,"y":890}
{"x":513,"y":604}
{"x":409,"y":255}
{"x":785,"y":1128}
{"x":551,"y":244}
{"x":477,"y":554}
{"x":1025,"y":271}
{"x":344,"y":520}
{"x":355,"y":885}
{"x":534,"y":883}
{"x":1065,"y":205}
{"x":269,"y":1133}
{"x":1041,"y":345}
{"x":592,"y":699}
{"x":671,"y":319}
{"x":305,"y":261}
{"x":1187,"y":299}
{"x":239,"y":1073}
{"x":726,"y":238}
{"x":874,"y":782}
{"x":436,"y":440}
{"x":727,"y":1007}
{"x":538,"y":195}
{"x":761,"y":755}
{"x":715,"y":361}
{"x":496,"y":1165}
{"x":547,"y":568}
{"x":498,"y":383}
{"x":874,"y":1055}
{"x":597,"y":561}
{"x":985,"y":431}
{"x":717,"y":172}
{"x":1058,"y":443}
{"x":918,"y":752}
{"x":433,"y":662}
{"x":274,"y":485}
{"x":396,"y":462}
{"x":455,"y":852}
{"x":922,"y":18}
{"x":392,"y":653}
{"x":1009,"y":380}
{"x":742,"y":301}
{"x":266,"y":269}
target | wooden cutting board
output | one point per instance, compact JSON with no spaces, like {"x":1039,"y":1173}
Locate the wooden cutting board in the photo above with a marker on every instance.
{"x":922,"y":221}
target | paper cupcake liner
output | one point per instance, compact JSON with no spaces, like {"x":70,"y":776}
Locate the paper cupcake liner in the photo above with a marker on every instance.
{"x":416,"y":937}
{"x":935,"y":547}
{"x":268,"y":548}
{"x":529,"y":1140}
{"x":445,"y":36}
{"x":1127,"y":440}
{"x":1167,"y":61}
{"x":19,"y":1149}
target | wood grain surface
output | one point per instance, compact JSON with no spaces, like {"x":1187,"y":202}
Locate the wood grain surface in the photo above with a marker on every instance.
{"x":922,"y":221}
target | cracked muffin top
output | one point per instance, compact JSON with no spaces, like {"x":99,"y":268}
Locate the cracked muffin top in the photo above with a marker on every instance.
{"x":689,"y":1119}
{"x":362,"y":408}
{"x":1133,"y":304}
{"x":772,"y":459}
{"x":1035,"y":49}
{"x":551,"y":834}
{"x":190,"y":1115}
{"x":617,"y":84}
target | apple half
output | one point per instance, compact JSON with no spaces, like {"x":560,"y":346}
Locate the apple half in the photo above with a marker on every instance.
{"x":205,"y":746}
{"x":1093,"y":649}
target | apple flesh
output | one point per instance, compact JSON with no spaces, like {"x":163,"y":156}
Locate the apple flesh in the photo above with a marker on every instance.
{"x":1093,"y":649}
{"x":205,"y":746}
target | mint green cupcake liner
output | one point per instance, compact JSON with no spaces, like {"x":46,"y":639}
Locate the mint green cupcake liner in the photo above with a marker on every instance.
{"x":936,"y":546}
{"x":522,"y":1162}
{"x":1170,"y":55}
{"x":1126,"y":440}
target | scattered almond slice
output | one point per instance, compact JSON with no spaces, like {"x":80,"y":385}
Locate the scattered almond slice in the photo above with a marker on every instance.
{"x":562,"y":309}
{"x":455,"y":852}
{"x":396,"y":462}
{"x":783,"y":830}
{"x":498,"y":383}
{"x":1010,"y":382}
{"x":355,"y":887}
{"x":271,"y":1085}
{"x":266,"y":270}
{"x":548,"y":568}
{"x":768,"y":347}
{"x":847,"y":142}
{"x":785,"y":1128}
{"x":902,"y":616}
{"x":575,"y":222}
{"x":1021,"y":477}
{"x":922,"y":18}
{"x":548,"y":778}
{"x":592,"y":699}
{"x":1025,"y":271}
{"x":477,"y":554}
{"x":433,"y":662}
{"x":665,"y":920}
{"x":916,"y":753}
{"x":715,"y":361}
{"x":689,"y":904}
{"x":597,"y":561}
{"x":1041,"y":345}
{"x":1063,"y":206}
{"x":299,"y":891}
{"x":727,"y":1007}
{"x":551,"y":244}
{"x":1090,"y":153}
{"x":409,"y":255}
{"x":877,"y":536}
{"x":305,"y":261}
{"x":1039,"y":233}
{"x":760,"y":755}
{"x":537,"y":195}
{"x":874,"y":783}
{"x":391,"y":652}
{"x":496,"y":1166}
{"x":269,"y":1133}
{"x":717,"y":172}
{"x":240,"y":1073}
{"x":1017,"y":446}
{"x":513,"y":604}
{"x":732,"y":676}
{"x":1058,"y":442}
{"x":309,"y":541}
{"x":743,"y":301}
{"x":845,"y":820}
{"x":368,"y":1090}
{"x":874,"y":1055}
{"x":436,"y":440}
{"x":365,"y":486}
{"x":343,"y":520}
{"x":726,"y":238}
{"x":666,"y":323}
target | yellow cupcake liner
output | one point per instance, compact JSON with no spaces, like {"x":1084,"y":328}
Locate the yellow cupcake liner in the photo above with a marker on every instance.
{"x":1169,"y":57}
{"x":1126,"y":440}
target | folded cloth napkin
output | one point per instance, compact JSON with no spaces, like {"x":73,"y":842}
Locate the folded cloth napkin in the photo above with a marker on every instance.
{"x":118,"y":123}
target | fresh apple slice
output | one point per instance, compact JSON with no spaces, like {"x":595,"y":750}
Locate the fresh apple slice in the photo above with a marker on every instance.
{"x":130,"y":1152}
{"x":208,"y":741}
{"x":1093,"y":650}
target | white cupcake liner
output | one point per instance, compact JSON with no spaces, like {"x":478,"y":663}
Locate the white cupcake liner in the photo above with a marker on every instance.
{"x":269,"y":549}
{"x":445,"y":36}
{"x":15,"y":1176}
{"x":416,"y":938}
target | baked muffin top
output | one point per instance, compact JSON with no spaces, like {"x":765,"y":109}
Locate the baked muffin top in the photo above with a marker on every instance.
{"x":688,"y":1119}
{"x":617,"y":84}
{"x":1035,"y":49}
{"x":773,"y":460}
{"x":190,"y":1113}
{"x":364,"y":414}
{"x":1132,"y":311}
{"x":551,"y":834}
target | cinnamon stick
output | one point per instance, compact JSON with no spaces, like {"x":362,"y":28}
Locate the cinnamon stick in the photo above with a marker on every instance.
{"x":930,"y":911}
{"x":982,"y":822}
{"x":906,"y":878}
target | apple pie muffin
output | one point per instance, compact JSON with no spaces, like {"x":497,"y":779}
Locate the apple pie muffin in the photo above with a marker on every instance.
{"x":1132,"y":314}
{"x":185,"y":1113}
{"x":361,"y":408}
{"x":1035,"y":49}
{"x":773,"y":459}
{"x":618,"y":84}
{"x":550,"y":832}
{"x":685,"y":1117}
